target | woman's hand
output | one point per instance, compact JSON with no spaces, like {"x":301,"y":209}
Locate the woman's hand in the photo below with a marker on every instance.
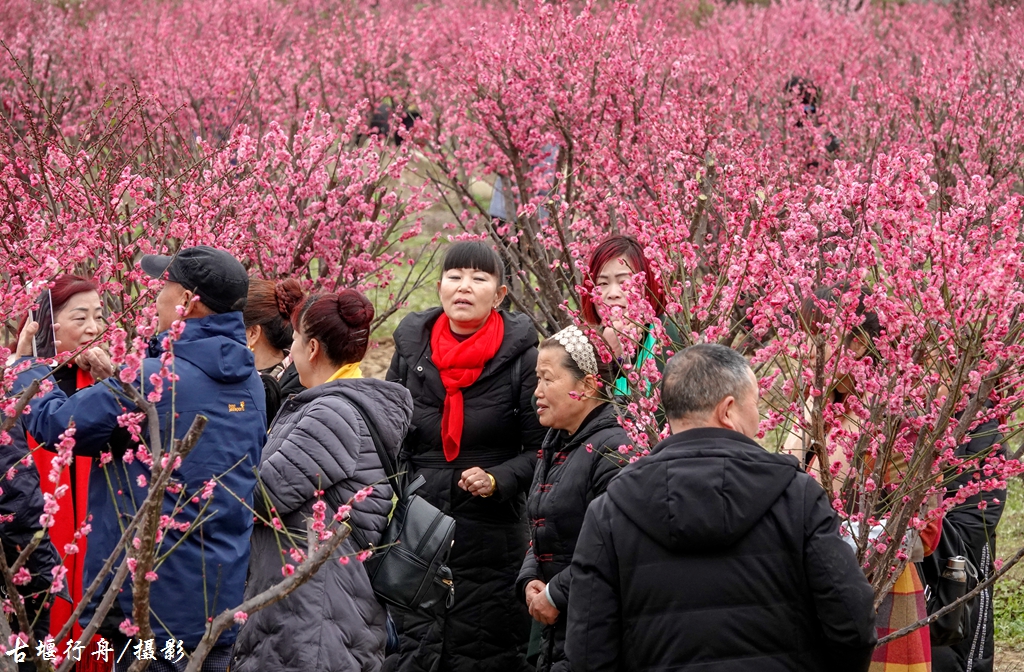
{"x":541,"y":609}
{"x":97,"y":362}
{"x":28,"y":333}
{"x":477,"y":482}
{"x":532,"y":588}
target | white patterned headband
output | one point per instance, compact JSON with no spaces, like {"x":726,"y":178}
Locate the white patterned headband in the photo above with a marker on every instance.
{"x":579,"y":348}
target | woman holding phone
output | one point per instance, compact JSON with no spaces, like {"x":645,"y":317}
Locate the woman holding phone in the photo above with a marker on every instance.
{"x":77,"y":320}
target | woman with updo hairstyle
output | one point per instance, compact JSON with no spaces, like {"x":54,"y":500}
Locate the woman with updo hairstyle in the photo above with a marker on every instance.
{"x":585,"y":446}
{"x":470,"y":368}
{"x":614,"y":261}
{"x":320,"y":447}
{"x":268,"y":333}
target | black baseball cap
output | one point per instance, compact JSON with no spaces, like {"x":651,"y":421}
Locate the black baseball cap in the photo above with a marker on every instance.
{"x":216,"y":277}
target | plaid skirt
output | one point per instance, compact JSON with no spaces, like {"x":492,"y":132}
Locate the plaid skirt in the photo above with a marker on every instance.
{"x":903,"y":606}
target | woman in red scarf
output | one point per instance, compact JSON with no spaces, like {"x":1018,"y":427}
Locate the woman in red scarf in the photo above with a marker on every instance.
{"x":475,"y":436}
{"x":78,"y":317}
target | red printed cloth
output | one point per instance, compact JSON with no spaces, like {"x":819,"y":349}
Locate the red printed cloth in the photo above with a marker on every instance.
{"x":903,"y":606}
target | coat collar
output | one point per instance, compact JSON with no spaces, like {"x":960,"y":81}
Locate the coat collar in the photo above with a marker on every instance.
{"x":602,"y":417}
{"x":412,"y":339}
{"x":703,"y":436}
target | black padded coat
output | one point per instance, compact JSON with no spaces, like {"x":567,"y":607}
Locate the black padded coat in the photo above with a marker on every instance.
{"x":713,"y":554}
{"x":977,"y":527}
{"x":487,"y":628}
{"x":572,"y":471}
{"x":21,"y":505}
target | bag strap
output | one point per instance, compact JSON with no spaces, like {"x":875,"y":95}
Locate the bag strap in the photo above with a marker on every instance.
{"x":385,"y":460}
{"x":517,"y":384}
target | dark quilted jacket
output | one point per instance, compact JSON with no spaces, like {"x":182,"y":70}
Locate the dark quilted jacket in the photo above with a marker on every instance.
{"x":572,"y":471}
{"x":21,"y":505}
{"x":332,"y":623}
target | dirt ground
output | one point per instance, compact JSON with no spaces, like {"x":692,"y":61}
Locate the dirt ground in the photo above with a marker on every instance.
{"x":378,"y":359}
{"x":1008,"y":660}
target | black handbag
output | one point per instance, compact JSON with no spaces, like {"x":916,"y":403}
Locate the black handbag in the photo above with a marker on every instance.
{"x":408,"y":567}
{"x":953,"y":627}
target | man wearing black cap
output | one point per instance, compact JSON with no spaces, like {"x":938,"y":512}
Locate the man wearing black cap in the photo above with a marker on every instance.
{"x":205,"y":572}
{"x":204,"y":280}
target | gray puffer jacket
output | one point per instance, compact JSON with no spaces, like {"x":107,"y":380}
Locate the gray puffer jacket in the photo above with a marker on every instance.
{"x":333,"y":622}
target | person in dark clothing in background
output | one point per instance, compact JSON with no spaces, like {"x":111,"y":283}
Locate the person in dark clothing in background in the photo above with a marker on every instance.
{"x":807,"y":94}
{"x":268,"y":333}
{"x":712,"y":553}
{"x":977,"y":527}
{"x":380,"y":121}
{"x":584,"y":448}
{"x":474,"y":437}
{"x":21,"y":505}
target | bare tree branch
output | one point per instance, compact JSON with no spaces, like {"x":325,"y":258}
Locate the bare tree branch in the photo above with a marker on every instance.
{"x":1007,"y":566}
{"x":19,"y":408}
{"x":101,"y":611}
{"x":275,"y":593}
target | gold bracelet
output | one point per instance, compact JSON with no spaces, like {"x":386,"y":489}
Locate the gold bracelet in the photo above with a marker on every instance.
{"x":494,"y":485}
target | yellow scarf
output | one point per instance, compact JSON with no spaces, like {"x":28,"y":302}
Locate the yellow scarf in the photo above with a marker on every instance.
{"x":347,"y":371}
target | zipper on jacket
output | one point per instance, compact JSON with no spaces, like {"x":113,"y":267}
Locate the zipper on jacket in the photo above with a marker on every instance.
{"x":450,"y":600}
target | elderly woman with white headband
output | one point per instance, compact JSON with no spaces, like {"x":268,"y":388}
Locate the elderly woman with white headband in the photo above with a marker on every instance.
{"x":585,"y":446}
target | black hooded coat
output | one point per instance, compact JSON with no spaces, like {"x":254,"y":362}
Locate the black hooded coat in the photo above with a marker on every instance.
{"x":713,"y":554}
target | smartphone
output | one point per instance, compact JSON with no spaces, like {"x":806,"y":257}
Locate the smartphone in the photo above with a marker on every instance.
{"x":44,"y":346}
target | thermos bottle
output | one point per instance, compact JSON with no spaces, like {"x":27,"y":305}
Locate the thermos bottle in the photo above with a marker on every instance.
{"x":951,"y":628}
{"x":956,"y":569}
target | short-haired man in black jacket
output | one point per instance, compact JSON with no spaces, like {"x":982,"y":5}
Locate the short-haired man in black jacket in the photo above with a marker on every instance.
{"x":712,"y":553}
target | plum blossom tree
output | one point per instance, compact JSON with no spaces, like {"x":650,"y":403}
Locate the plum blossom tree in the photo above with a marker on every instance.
{"x":788,"y":169}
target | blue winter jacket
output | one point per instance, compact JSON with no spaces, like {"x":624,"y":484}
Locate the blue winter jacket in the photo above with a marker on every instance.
{"x":206,"y":573}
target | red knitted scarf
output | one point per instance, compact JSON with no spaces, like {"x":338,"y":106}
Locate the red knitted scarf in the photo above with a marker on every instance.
{"x":460,"y":365}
